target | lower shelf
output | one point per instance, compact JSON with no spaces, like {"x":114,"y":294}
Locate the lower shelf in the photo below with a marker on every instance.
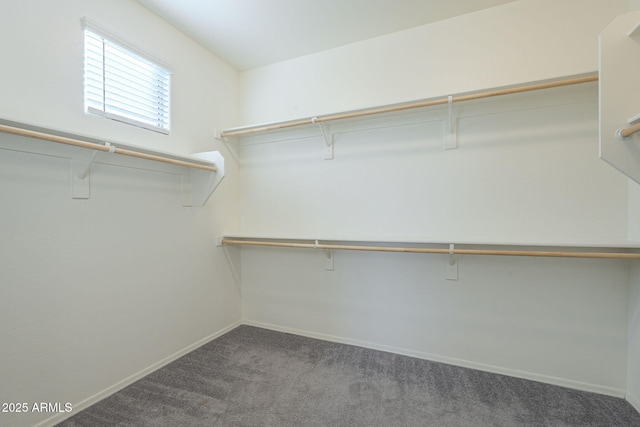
{"x":626,"y":250}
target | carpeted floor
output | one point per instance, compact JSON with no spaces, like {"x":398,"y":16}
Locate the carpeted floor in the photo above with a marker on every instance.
{"x":256,"y":377}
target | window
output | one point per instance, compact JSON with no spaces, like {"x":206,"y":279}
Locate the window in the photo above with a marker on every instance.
{"x":123,"y":85}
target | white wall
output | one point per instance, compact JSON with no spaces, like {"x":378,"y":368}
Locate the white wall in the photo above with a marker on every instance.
{"x":633,"y":370}
{"x":525,"y":170}
{"x":633,"y":357}
{"x":96,"y":291}
{"x":555,"y":321}
{"x":523,"y":41}
{"x":633,"y":309}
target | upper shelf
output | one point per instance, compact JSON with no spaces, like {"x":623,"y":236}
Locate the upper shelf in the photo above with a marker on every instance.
{"x":323,"y":119}
{"x":201,"y":172}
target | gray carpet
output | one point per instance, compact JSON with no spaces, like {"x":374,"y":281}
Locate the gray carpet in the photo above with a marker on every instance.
{"x":256,"y":377}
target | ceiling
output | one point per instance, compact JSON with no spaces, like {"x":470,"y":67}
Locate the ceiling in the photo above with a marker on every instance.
{"x":252,"y":33}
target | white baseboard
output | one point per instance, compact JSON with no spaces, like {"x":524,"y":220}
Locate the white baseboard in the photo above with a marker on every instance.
{"x":633,"y":400}
{"x":77,"y":407}
{"x":563,"y":382}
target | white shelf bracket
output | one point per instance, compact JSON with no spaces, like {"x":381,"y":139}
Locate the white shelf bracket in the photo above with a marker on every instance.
{"x":218,"y":136}
{"x":452,"y":265}
{"x":81,"y":172}
{"x":328,"y":138}
{"x":328,"y":261}
{"x":197,"y":184}
{"x":328,"y":253}
{"x":451,"y":136}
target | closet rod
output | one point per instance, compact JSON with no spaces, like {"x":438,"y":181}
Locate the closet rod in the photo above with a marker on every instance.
{"x":100,"y":147}
{"x":624,"y":133}
{"x":549,"y":254}
{"x":400,"y":107}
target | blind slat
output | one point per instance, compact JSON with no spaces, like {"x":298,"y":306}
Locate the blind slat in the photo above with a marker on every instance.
{"x":125,"y":86}
{"x":145,"y":98}
{"x":134,"y":85}
{"x":136,"y":70}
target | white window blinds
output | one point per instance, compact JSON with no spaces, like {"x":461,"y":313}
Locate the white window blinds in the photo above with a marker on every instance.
{"x":122,"y":85}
